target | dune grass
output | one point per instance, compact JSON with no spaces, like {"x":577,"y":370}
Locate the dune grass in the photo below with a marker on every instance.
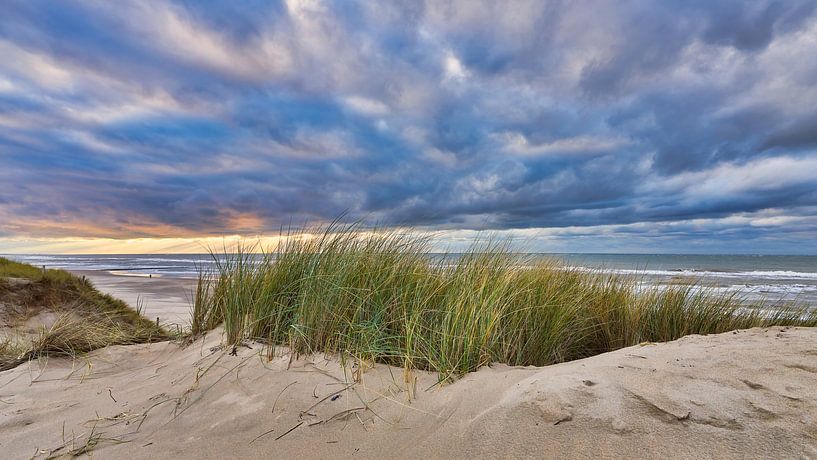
{"x":86,"y":318}
{"x":12,"y":269}
{"x":382,"y":296}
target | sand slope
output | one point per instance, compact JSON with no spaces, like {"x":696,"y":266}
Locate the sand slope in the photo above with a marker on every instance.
{"x":746,"y":394}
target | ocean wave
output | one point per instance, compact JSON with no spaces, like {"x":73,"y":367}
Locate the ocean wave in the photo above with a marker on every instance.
{"x":776,"y":288}
{"x":764,"y":274}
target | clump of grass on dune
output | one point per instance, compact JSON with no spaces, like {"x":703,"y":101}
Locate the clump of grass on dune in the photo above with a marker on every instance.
{"x":382,"y":296}
{"x":71,"y":335}
{"x":87,"y":319}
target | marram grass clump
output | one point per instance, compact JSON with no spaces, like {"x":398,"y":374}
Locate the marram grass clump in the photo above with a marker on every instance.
{"x":383,"y":296}
{"x":85,"y":320}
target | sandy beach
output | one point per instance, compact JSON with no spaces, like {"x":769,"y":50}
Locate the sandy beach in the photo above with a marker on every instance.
{"x":166,"y":298}
{"x":721,"y":396}
{"x":726,"y":395}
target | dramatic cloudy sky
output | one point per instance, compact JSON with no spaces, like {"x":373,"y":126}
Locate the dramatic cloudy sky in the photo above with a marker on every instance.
{"x":675,"y":126}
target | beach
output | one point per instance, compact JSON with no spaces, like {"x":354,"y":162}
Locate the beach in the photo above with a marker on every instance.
{"x":215,"y":394}
{"x":166,"y":298}
{"x":720,"y":396}
{"x":408,"y":229}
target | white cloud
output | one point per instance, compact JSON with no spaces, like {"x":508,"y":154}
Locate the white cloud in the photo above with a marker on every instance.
{"x":35,"y":67}
{"x":366,"y":106}
{"x":731,"y":179}
{"x":454,"y":69}
{"x":516,"y":143}
{"x":173,"y":32}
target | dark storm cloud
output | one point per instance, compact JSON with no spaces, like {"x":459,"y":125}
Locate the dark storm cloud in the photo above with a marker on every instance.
{"x":796,"y":135}
{"x":202,"y":118}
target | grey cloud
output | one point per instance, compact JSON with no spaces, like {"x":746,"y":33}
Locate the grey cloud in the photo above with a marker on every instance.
{"x":201,"y":118}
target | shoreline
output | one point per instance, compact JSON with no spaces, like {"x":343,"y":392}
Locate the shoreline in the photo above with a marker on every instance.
{"x":720,"y":395}
{"x":766,"y":279}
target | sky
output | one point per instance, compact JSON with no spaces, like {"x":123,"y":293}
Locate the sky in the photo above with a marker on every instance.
{"x":569,"y":126}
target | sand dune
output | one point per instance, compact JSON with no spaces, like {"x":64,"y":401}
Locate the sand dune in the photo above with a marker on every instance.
{"x":749,"y":393}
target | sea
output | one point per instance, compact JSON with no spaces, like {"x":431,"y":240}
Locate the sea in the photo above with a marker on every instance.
{"x":770,"y":278}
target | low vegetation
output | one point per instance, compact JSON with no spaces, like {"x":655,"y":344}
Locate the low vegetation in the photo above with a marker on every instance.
{"x":76,"y":317}
{"x":382,"y":296}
